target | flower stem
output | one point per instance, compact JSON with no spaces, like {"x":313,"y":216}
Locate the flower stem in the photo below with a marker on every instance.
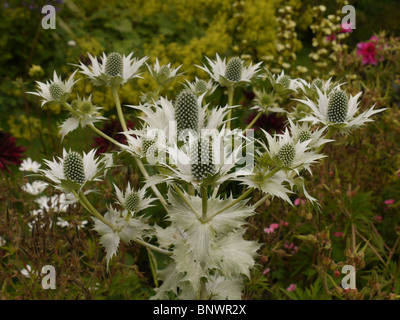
{"x":114,"y":90}
{"x":101,"y":133}
{"x":231,"y":91}
{"x":152,"y":247}
{"x":253,"y":121}
{"x":262,"y":201}
{"x":204,"y":199}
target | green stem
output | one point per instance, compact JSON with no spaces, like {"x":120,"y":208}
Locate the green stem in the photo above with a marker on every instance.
{"x":204,"y":200}
{"x":231,"y":91}
{"x":152,"y":247}
{"x":262,"y":201}
{"x":182,"y":196}
{"x":114,"y":90}
{"x":253,"y":121}
{"x":101,"y":133}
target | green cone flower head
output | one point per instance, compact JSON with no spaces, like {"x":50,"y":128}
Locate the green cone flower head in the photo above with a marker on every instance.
{"x":317,"y":83}
{"x":285,"y":81}
{"x":114,"y":65}
{"x":74,"y":168}
{"x":234,"y":69}
{"x":186,"y":111}
{"x":286,"y":154}
{"x":163,"y":75}
{"x":200,"y":86}
{"x":56,"y":92}
{"x":304,"y":135}
{"x":337,"y":107}
{"x":132,"y":202}
{"x":202,"y":159}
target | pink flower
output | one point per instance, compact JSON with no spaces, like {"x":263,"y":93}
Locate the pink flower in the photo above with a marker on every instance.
{"x":337,"y":234}
{"x":346,"y":28}
{"x":298,"y":201}
{"x":368,"y":51}
{"x":271,"y":228}
{"x":292,"y":287}
{"x":378,"y":218}
{"x":266,"y":271}
{"x":331,"y":38}
{"x":389,"y":201}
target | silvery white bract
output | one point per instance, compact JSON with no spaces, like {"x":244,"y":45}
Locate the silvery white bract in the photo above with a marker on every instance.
{"x":125,"y":228}
{"x":232,"y":73}
{"x":349,"y":121}
{"x":303,"y":132}
{"x":200,"y":86}
{"x":83,"y":113}
{"x":163,"y":74}
{"x":131,"y":200}
{"x":112,"y":70}
{"x":212,"y":249}
{"x":55,"y":90}
{"x":310,"y":88}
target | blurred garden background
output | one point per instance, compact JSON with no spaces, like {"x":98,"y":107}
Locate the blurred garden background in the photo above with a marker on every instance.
{"x":358,"y":187}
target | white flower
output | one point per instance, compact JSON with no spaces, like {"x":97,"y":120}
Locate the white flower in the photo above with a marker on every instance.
{"x":55,"y":90}
{"x":83,"y":113}
{"x":232,"y":73}
{"x":133,"y":201}
{"x":28,"y":272}
{"x":303,"y":132}
{"x":337,"y":110}
{"x":200,"y":86}
{"x":62,"y":223}
{"x":287,"y":153}
{"x":29,"y":165}
{"x":163,"y":74}
{"x":309,"y":88}
{"x":74,"y":171}
{"x":112,"y":70}
{"x":35,"y":187}
{"x":2,"y":242}
{"x":282,"y":83}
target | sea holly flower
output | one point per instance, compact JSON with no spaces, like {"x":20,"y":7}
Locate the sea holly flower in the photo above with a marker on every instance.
{"x":29,"y":166}
{"x":303,"y":132}
{"x":55,"y":90}
{"x":337,"y":110}
{"x":125,"y":228}
{"x":310,"y":88}
{"x":232,"y":73}
{"x":83,"y":113}
{"x":112,"y":70}
{"x":74,"y":172}
{"x":163,"y":74}
{"x":281,"y":83}
{"x":200,"y":86}
{"x":133,"y":201}
{"x":288,"y":154}
{"x":265,"y":102}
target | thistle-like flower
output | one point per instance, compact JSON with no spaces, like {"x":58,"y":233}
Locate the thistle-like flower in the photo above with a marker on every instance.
{"x":288,"y":154}
{"x":163,"y":74}
{"x":83,"y":113}
{"x":338,"y":110}
{"x":282,"y":83}
{"x":232,"y":73}
{"x":112,"y":70}
{"x":55,"y":90}
{"x":310,"y":88}
{"x":74,"y":172}
{"x":303,"y":132}
{"x":133,"y":201}
{"x":265,"y":102}
{"x":200,"y":86}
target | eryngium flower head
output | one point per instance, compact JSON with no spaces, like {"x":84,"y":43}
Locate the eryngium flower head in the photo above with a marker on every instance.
{"x":337,"y":107}
{"x":200,"y":86}
{"x":338,"y":111}
{"x":187,"y":111}
{"x":287,"y":154}
{"x":73,"y":167}
{"x":131,"y":200}
{"x":55,"y":90}
{"x":281,"y":83}
{"x":112,"y":70}
{"x":202,"y":159}
{"x":72,"y":171}
{"x":231,"y":74}
{"x":163,"y":74}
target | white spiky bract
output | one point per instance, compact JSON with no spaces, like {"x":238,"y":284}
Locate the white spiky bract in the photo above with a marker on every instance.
{"x":351,"y":120}
{"x":217,"y":70}
{"x":55,"y":90}
{"x":163,"y":74}
{"x":98,"y":75}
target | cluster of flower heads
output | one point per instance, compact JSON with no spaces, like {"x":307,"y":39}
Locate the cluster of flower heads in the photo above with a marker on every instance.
{"x":189,"y":143}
